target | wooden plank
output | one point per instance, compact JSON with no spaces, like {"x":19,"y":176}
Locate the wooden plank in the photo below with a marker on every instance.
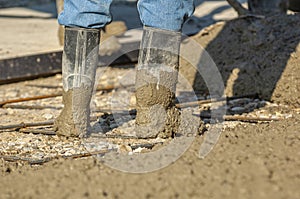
{"x":30,"y":67}
{"x":47,"y":64}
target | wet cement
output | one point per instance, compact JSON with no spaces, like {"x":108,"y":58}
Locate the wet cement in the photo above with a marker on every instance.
{"x":74,"y":120}
{"x":249,"y":161}
{"x":155,"y":102}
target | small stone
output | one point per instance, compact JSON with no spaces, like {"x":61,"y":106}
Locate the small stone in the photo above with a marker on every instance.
{"x":12,"y":93}
{"x":251,"y":106}
{"x":11,"y":144}
{"x":38,"y":155}
{"x":70,"y":152}
{"x":10,"y":111}
{"x":238,"y":110}
{"x":288,"y":116}
{"x":239,"y":102}
{"x":58,"y":76}
{"x":114,"y":125}
{"x":140,"y":150}
{"x":26,"y":149}
{"x":48,"y":116}
{"x":124,"y":149}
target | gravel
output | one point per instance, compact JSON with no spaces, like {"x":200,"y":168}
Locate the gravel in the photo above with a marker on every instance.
{"x":39,"y":147}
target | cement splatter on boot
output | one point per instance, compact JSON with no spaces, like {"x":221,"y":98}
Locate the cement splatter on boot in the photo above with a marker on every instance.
{"x":74,"y":120}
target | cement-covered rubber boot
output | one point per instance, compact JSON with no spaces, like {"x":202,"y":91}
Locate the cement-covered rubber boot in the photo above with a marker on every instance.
{"x":79,"y":63}
{"x":156,"y":78}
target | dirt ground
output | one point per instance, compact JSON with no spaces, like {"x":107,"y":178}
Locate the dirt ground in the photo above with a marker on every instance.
{"x":250,"y":160}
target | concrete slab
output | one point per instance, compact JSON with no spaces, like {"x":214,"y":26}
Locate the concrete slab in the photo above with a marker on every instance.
{"x":26,"y":31}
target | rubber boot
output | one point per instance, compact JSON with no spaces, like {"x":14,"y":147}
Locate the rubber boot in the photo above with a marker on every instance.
{"x":156,"y":78}
{"x":79,"y":63}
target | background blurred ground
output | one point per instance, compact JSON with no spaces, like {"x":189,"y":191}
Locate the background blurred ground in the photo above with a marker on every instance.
{"x":29,"y":27}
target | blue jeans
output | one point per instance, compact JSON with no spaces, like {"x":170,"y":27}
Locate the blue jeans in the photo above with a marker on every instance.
{"x":163,"y":14}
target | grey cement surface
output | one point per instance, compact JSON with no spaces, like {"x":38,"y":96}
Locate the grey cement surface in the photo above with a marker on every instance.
{"x":33,"y":28}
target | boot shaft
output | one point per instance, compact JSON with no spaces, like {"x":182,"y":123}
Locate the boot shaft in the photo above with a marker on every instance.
{"x":80,"y":57}
{"x":158,"y":61}
{"x":156,"y":78}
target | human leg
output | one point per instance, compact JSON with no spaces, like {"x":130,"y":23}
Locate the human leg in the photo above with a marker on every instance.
{"x":82,"y":21}
{"x":85,"y":14}
{"x":165,"y":14}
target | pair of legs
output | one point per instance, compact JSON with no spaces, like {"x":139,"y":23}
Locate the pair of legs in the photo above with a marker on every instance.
{"x":163,"y":14}
{"x":157,"y":68}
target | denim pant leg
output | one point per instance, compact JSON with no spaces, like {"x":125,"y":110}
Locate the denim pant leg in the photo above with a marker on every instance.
{"x":165,"y":14}
{"x":85,"y":13}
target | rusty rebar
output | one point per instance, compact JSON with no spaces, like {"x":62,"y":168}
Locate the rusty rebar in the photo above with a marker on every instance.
{"x":10,"y":101}
{"x":32,"y":161}
{"x":51,"y":122}
{"x":25,"y":125}
{"x":29,"y":99}
{"x":35,"y":107}
{"x":248,"y":118}
{"x":214,"y":100}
